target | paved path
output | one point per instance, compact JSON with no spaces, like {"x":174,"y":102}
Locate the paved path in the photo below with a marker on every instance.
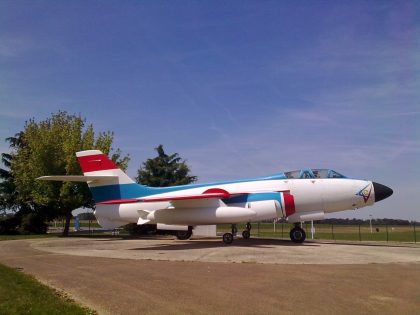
{"x":264,"y":251}
{"x":133,"y":286}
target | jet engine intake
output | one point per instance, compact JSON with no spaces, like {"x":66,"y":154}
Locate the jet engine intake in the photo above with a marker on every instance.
{"x":266,"y":209}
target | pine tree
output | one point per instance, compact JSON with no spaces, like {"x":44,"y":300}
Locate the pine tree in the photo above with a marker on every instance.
{"x":164,"y":170}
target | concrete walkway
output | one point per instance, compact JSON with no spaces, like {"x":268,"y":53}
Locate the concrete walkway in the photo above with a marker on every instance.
{"x":264,"y":251}
{"x":146,"y":286}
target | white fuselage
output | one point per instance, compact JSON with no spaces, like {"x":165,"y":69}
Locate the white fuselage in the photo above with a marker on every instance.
{"x":312,"y":198}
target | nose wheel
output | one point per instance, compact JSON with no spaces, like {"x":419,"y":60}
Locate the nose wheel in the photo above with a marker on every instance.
{"x":297,"y":234}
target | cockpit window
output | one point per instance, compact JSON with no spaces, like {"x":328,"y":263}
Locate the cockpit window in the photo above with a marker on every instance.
{"x":292,"y":174}
{"x":313,"y":173}
{"x":334,"y":174}
{"x":306,"y":174}
{"x":322,"y":173}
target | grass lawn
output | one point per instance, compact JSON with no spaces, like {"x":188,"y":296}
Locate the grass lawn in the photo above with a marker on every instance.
{"x":24,"y":236}
{"x":22,"y":294}
{"x":380,"y":233}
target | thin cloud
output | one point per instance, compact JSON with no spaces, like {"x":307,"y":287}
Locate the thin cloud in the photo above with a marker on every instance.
{"x":13,"y":47}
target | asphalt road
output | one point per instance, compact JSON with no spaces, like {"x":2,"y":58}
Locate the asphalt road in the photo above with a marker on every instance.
{"x":369,"y":280}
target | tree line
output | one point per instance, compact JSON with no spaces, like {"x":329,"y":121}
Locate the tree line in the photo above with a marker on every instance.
{"x":48,"y":147}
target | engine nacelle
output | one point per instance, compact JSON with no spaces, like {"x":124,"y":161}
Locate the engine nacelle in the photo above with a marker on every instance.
{"x":203,"y":216}
{"x":266,"y":209}
{"x":107,"y":223}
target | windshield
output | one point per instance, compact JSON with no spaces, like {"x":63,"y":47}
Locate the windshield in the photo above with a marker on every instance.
{"x":314,"y":173}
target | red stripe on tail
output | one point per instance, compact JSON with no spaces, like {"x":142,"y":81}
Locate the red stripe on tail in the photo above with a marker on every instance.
{"x":98,"y":162}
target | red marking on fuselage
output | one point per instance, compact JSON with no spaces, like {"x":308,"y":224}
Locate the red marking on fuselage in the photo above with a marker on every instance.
{"x":221,"y":192}
{"x":289,"y":204}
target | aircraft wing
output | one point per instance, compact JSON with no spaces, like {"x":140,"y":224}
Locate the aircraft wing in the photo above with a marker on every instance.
{"x":178,"y":200}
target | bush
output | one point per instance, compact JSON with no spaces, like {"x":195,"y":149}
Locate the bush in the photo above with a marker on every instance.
{"x":9,"y":225}
{"x":33,"y":223}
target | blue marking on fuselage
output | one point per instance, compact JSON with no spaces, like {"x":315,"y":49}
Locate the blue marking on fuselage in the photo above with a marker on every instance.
{"x":117,"y":192}
{"x":254,"y":197}
{"x":133,"y":190}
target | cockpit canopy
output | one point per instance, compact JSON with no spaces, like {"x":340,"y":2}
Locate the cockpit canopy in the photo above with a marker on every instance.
{"x":314,"y":173}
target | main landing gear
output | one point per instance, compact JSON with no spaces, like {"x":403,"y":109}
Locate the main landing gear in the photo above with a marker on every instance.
{"x":297,"y":234}
{"x":184,"y":235}
{"x":246,"y":234}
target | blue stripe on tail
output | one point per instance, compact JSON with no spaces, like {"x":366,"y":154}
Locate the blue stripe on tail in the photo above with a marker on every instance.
{"x":116,"y":192}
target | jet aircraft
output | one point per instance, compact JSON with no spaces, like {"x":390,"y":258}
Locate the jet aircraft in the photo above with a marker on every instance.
{"x":298,"y":196}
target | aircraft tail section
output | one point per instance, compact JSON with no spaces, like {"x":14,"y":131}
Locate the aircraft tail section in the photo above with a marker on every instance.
{"x":118,"y":186}
{"x":95,"y":163}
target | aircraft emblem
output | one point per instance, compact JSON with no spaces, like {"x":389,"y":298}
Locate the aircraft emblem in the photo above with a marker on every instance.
{"x":365,"y":192}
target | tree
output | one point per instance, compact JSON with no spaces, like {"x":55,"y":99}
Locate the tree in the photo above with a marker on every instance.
{"x":164,"y":170}
{"x":8,"y":200}
{"x":7,"y":187}
{"x":48,"y":148}
{"x":161,"y":171}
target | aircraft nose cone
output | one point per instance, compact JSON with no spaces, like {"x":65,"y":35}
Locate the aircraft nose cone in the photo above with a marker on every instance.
{"x":381,"y":191}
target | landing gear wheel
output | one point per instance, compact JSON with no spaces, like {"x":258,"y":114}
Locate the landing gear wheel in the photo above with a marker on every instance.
{"x":246,"y":234}
{"x":184,"y":235}
{"x":227,"y":238}
{"x":297,"y":235}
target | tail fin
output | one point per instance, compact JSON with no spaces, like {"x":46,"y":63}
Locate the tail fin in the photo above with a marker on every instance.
{"x":94,"y":162}
{"x":119,"y":186}
{"x":105,"y":180}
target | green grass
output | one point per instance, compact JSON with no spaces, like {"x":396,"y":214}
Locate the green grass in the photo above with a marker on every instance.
{"x":322,"y":232}
{"x":24,"y":236}
{"x":336,"y":232}
{"x":22,"y":294}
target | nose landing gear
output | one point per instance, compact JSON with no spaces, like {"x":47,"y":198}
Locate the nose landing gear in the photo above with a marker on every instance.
{"x":297,"y":234}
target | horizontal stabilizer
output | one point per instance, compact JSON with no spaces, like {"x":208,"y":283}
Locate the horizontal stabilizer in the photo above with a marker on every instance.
{"x":77,"y":178}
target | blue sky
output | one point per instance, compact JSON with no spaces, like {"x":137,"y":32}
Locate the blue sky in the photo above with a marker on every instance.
{"x":238,"y":88}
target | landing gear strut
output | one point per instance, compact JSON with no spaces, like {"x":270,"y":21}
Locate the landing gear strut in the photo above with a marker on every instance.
{"x":297,"y":234}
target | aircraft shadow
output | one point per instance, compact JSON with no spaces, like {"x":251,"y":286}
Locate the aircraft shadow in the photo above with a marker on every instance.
{"x":370,"y":244}
{"x":217,"y":243}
